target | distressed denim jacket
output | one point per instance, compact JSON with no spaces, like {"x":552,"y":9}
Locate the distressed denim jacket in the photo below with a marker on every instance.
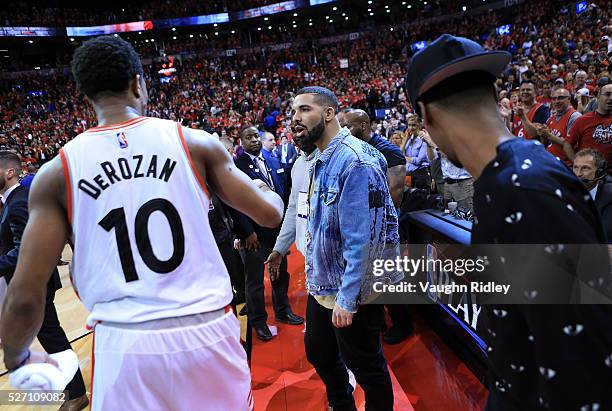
{"x":350,"y":220}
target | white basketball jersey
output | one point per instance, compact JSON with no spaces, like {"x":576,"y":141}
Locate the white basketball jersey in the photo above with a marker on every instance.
{"x":143,"y":247}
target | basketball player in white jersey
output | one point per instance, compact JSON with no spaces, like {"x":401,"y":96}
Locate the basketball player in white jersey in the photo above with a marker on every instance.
{"x":131,"y":193}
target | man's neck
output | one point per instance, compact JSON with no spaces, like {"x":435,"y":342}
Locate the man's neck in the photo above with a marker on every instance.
{"x":563,"y":111}
{"x":113,"y":111}
{"x":529,"y":106}
{"x":330,"y":132}
{"x":476,"y":147}
{"x":602,"y":112}
{"x":254,"y":154}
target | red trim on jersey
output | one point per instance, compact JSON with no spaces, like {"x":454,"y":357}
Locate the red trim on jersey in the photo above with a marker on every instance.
{"x":68,"y":185}
{"x":109,"y":127}
{"x":193,"y":167}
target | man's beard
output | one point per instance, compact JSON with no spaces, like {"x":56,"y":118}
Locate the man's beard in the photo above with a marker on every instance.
{"x":310,"y":137}
{"x":2,"y":183}
{"x":306,"y":146}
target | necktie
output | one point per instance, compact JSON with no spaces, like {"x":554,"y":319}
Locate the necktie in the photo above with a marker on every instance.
{"x":264,"y":170}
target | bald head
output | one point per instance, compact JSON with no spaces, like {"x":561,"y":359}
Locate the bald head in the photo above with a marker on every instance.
{"x":358,"y":122}
{"x":560,"y":100}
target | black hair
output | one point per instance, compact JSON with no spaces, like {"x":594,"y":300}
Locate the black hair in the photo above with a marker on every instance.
{"x":105,"y":64}
{"x":10,"y":158}
{"x":323,"y":96}
{"x":602,"y":82}
{"x":245,"y":128}
{"x":528,"y":82}
{"x":462,"y":91}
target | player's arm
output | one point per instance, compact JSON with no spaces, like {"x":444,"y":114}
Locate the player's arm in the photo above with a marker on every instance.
{"x":42,"y":244}
{"x":396,"y":178}
{"x":234,"y":187}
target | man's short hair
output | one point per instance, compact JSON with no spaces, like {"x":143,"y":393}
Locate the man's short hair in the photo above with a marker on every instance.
{"x":462,"y":91}
{"x":323,"y":96}
{"x":598,"y":158}
{"x":245,"y":128}
{"x":105,"y":64}
{"x":528,"y":82}
{"x":604,"y":81}
{"x":9,"y":159}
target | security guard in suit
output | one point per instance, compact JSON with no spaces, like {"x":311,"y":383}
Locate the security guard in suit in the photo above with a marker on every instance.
{"x":258,"y":241}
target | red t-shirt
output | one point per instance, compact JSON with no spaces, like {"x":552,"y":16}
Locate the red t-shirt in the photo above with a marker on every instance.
{"x":593,"y":130}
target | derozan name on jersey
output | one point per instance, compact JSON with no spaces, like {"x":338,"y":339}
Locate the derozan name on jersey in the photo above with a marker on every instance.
{"x":126,"y":169}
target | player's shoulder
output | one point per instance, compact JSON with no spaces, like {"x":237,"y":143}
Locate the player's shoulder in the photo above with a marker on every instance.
{"x":195,"y":135}
{"x":526,"y":165}
{"x":202,"y":144}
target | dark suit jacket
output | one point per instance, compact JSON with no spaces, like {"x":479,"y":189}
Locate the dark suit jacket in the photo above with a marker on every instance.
{"x":13,"y":220}
{"x":244,"y":225}
{"x":291,"y":153}
{"x":603,"y":201}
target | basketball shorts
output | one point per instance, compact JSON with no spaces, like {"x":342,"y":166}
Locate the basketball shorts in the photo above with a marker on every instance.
{"x":184,"y":363}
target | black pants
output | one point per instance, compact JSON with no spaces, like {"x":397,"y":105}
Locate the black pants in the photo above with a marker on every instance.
{"x":254,"y":262}
{"x":330,"y":350}
{"x":421,"y":178}
{"x":400,"y":315}
{"x":235,"y":268}
{"x":53,"y":339}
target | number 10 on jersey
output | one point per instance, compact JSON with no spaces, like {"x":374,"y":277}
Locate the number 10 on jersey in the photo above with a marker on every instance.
{"x":116,"y":220}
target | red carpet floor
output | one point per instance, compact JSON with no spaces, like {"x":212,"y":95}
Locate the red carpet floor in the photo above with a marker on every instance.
{"x":426,"y":375}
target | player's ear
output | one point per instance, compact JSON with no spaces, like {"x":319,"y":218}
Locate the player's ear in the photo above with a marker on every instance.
{"x":135,"y":86}
{"x":425,"y":114}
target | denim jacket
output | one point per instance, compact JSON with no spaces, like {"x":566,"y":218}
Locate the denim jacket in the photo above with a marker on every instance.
{"x":351,"y":218}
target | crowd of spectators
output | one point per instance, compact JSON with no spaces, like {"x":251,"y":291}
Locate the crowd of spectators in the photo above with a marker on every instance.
{"x":549,"y":41}
{"x":55,"y":13}
{"x":58,"y":13}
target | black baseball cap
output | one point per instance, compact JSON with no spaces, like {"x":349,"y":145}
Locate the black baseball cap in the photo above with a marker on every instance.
{"x":448,"y":56}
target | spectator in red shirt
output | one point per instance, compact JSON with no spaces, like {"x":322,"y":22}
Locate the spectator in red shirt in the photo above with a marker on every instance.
{"x":545,"y":98}
{"x":594,"y":130}
{"x":529,"y":112}
{"x":553,"y":134}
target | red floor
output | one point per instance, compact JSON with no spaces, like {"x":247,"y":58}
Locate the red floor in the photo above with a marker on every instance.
{"x":426,"y":375}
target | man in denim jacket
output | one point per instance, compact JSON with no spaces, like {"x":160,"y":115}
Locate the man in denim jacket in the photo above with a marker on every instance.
{"x":351,"y":221}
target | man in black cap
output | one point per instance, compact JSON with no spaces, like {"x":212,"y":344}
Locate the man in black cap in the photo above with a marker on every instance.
{"x":545,"y":356}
